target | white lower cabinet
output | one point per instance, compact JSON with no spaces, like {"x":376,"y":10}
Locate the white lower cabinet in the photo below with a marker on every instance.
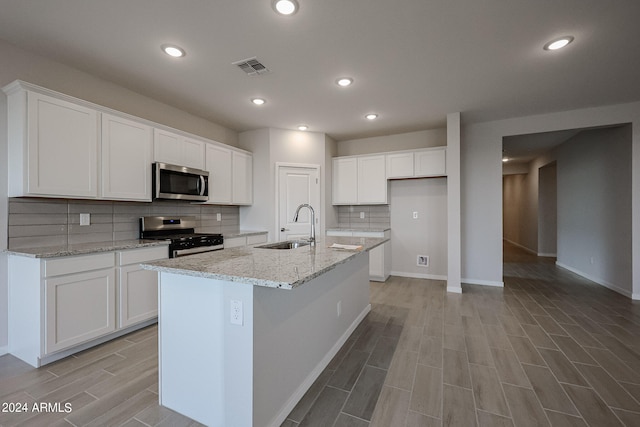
{"x":379,"y":257}
{"x":137,"y":288}
{"x":250,"y":240}
{"x":59,"y":306}
{"x":79,"y":307}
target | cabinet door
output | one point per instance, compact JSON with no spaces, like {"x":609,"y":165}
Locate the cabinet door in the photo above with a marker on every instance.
{"x":138,"y":291}
{"x":372,"y":180}
{"x":193,"y":153}
{"x":62,"y":148}
{"x":430,"y":163}
{"x":345,"y":181}
{"x":79,"y":308}
{"x":218,"y":164}
{"x":126,"y":159}
{"x":242,"y":179}
{"x":399,"y":165}
{"x":167,"y":148}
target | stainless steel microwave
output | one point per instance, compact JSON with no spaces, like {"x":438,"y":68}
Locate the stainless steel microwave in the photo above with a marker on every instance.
{"x":180,"y":183}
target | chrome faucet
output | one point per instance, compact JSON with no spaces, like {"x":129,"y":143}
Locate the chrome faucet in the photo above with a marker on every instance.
{"x":312,"y":238}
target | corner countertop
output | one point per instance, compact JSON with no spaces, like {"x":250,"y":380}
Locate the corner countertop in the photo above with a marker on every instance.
{"x":285,"y":268}
{"x":243,"y":233}
{"x":85,"y":248}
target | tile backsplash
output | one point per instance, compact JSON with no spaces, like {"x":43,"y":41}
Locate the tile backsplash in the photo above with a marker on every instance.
{"x":375,"y":216}
{"x":52,"y":222}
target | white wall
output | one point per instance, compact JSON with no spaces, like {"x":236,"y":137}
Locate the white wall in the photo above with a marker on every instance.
{"x":426,"y":235}
{"x":271,"y":146}
{"x":548,"y":210}
{"x":594,"y":206}
{"x":482,"y":183}
{"x":23,"y":65}
{"x":402,"y":141}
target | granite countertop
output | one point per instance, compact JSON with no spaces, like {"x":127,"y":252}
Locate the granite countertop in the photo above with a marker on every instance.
{"x":286,"y":268}
{"x":85,"y":248}
{"x":368,"y":230}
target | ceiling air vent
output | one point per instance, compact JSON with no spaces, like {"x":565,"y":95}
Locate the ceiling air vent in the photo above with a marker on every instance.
{"x":252,"y":66}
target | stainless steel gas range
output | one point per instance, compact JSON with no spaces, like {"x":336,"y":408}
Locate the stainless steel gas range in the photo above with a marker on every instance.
{"x":181,"y":232}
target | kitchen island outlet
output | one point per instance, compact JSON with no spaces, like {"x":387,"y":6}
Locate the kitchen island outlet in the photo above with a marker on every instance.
{"x":244,"y":332}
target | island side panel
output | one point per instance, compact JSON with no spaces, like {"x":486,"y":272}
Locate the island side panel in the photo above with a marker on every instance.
{"x":205,"y":362}
{"x":297,"y":332}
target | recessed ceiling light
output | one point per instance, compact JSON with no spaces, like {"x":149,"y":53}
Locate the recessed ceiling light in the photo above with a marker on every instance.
{"x":371,"y":116}
{"x":303,"y":127}
{"x":285,"y":7}
{"x":173,"y":50}
{"x":558,"y":43}
{"x":258,"y":101}
{"x":344,"y":81}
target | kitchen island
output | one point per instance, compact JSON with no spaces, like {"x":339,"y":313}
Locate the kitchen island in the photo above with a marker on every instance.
{"x":244,"y":332}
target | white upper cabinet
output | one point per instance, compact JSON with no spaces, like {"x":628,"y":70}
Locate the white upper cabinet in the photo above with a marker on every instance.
{"x":359,"y":180}
{"x":242,"y":178}
{"x":218,"y":164}
{"x":126,"y":159}
{"x":372,"y":180}
{"x":53,"y":146}
{"x":175,"y":149}
{"x":400,"y":165}
{"x":345,"y":181}
{"x":430,"y":162}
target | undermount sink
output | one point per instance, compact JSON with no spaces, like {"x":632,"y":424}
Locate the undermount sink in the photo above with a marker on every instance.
{"x":289,"y":244}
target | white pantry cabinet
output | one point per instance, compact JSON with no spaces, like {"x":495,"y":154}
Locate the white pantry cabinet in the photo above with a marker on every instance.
{"x":59,"y":306}
{"x":127,"y":148}
{"x":175,"y":149}
{"x":53,"y":146}
{"x":359,"y":180}
{"x":379,"y":257}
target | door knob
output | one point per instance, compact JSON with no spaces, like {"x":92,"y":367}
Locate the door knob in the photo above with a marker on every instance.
{"x":284,"y":229}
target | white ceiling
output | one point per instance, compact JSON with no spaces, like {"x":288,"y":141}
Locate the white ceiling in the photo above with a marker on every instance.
{"x":413,"y":61}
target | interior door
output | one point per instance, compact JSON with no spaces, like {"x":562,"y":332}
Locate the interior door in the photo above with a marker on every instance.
{"x":297,"y":185}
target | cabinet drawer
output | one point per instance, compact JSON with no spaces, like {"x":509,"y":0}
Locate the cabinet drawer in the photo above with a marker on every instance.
{"x":136,"y":256}
{"x":254,"y":240}
{"x":77,"y":264}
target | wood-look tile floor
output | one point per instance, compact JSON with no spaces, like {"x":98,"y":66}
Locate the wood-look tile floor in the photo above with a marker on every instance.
{"x":550,"y":349}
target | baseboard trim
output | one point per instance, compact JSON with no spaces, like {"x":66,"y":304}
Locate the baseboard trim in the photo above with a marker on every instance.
{"x":419,"y":275}
{"x":531,"y":251}
{"x":454,"y":289}
{"x":4,"y":350}
{"x":608,"y":285}
{"x":483,"y":282}
{"x":315,"y":373}
{"x":550,"y":255}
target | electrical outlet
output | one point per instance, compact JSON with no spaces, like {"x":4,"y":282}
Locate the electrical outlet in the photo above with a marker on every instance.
{"x":236,"y":312}
{"x":218,"y":217}
{"x":423,"y":261}
{"x":85,"y":219}
{"x":415,"y":215}
{"x":339,"y":308}
{"x":361,"y":215}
